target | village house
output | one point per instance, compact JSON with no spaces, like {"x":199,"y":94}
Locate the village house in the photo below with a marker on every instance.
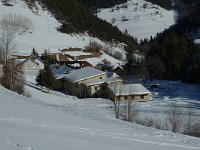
{"x":91,"y":82}
{"x":94,"y":88}
{"x":75,"y":79}
{"x":31,"y":64}
{"x":124,"y":92}
{"x":104,"y":65}
{"x":120,"y":71}
{"x":60,"y":69}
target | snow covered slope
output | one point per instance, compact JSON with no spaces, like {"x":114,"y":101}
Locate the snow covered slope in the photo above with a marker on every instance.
{"x":51,"y":121}
{"x":57,"y":121}
{"x":44,"y":35}
{"x":141,"y":19}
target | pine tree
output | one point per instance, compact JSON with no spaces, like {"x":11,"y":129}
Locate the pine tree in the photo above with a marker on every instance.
{"x":34,"y":53}
{"x":45,"y":77}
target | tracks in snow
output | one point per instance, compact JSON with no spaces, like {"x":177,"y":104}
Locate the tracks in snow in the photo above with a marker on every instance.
{"x":92,"y":132}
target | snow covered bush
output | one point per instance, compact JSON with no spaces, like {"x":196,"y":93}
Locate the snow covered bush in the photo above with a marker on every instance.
{"x":117,"y":55}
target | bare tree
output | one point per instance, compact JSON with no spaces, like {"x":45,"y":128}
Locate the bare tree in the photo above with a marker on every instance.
{"x":13,"y":77}
{"x":7,"y":45}
{"x":117,"y":101}
{"x":15,"y":22}
{"x":175,"y":118}
{"x":189,"y":122}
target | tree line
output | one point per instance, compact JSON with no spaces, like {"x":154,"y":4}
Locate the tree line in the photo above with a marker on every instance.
{"x":94,"y":4}
{"x":162,"y":3}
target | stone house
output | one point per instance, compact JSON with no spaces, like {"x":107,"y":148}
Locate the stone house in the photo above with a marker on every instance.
{"x":124,"y":92}
{"x":31,"y":64}
{"x":95,"y":88}
{"x":73,"y":82}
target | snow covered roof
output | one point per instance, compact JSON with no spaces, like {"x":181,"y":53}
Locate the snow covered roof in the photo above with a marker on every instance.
{"x":100,"y":81}
{"x":129,"y":89}
{"x":83,"y":73}
{"x":112,"y":74}
{"x":63,"y":69}
{"x":26,"y":61}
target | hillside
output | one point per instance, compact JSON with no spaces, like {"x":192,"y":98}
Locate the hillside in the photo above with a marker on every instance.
{"x":138,"y":18}
{"x":167,"y":4}
{"x":44,"y":33}
{"x":55,"y":121}
{"x":76,"y":18}
{"x":94,"y":4}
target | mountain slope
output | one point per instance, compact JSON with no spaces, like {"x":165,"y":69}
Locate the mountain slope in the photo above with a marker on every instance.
{"x":44,"y":33}
{"x":139,"y":18}
{"x":94,"y":4}
{"x":76,"y":18}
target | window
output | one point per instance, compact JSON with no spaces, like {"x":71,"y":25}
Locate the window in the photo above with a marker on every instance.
{"x":142,"y":96}
{"x":95,"y":88}
{"x":125,"y":97}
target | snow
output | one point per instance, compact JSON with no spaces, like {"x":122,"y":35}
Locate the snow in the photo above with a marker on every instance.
{"x":50,"y":121}
{"x":197,"y":41}
{"x":44,"y":34}
{"x":185,"y":96}
{"x":142,"y":22}
{"x":57,"y":121}
{"x":95,"y":60}
{"x":100,"y":81}
{"x":61,"y":70}
{"x":83,"y":73}
{"x":76,"y":53}
{"x":129,"y":89}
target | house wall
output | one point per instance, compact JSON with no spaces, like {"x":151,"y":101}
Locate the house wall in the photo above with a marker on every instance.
{"x":139,"y":98}
{"x":81,"y":90}
{"x":120,"y":72}
{"x":98,"y":88}
{"x":102,"y":76}
{"x":30,"y":66}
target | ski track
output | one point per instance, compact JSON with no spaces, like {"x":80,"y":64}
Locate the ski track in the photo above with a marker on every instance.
{"x":88,"y":131}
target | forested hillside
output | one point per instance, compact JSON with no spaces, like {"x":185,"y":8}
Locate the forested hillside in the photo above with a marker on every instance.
{"x":101,"y":3}
{"x":162,"y":3}
{"x":174,"y":52}
{"x":76,"y":18}
{"x":173,"y":55}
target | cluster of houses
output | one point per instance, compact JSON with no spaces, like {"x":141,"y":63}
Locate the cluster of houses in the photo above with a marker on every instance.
{"x":82,"y":79}
{"x":91,"y":82}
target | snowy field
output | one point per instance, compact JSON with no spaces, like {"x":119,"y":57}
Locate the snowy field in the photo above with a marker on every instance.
{"x":143,"y":18}
{"x":185,"y":96}
{"x":57,"y":121}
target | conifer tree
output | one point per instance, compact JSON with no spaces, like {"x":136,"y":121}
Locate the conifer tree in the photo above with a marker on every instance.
{"x":45,"y":76}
